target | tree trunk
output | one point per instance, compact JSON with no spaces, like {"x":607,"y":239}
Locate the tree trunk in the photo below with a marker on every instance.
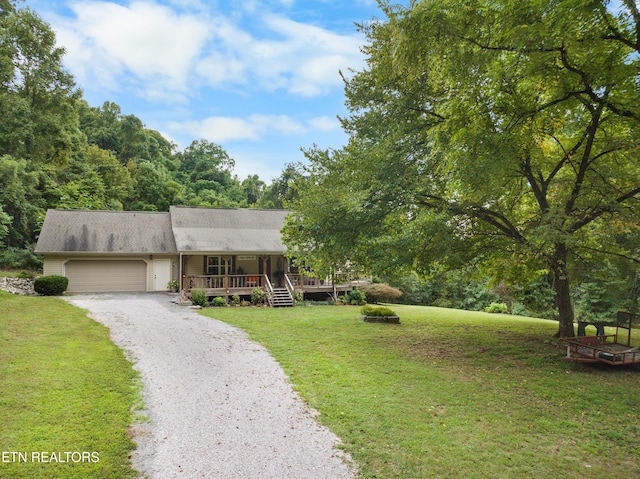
{"x":563,"y":291}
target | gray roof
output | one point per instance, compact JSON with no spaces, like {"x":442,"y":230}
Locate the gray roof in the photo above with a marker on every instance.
{"x":182,"y":229}
{"x":222,"y":230}
{"x":106,"y":232}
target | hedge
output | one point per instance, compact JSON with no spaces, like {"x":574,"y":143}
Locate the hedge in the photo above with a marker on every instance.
{"x":50,"y":285}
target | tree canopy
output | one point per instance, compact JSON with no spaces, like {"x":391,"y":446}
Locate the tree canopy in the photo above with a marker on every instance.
{"x":503,"y":134}
{"x":57,"y":151}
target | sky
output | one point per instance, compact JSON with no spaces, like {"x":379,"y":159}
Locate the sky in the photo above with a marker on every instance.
{"x":261,"y":78}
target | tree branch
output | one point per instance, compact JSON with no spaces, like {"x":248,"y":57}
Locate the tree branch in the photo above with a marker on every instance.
{"x":493,"y":218}
{"x":598,"y":212}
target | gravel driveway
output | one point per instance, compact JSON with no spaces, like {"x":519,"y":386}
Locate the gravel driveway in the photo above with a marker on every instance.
{"x":219,"y":405}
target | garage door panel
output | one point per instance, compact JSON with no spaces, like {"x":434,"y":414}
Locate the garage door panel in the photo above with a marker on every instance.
{"x":91,"y":276}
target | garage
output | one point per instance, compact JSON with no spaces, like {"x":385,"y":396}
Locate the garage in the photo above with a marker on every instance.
{"x":90,"y":276}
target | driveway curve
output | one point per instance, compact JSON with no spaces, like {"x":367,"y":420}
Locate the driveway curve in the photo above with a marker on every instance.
{"x":219,"y":405}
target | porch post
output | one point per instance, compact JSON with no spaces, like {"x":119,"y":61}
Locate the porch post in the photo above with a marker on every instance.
{"x":227,"y":265}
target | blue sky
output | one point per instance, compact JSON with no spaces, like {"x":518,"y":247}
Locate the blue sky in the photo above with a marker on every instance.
{"x":258,"y":77}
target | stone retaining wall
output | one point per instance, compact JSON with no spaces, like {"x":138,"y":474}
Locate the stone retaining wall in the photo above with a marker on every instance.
{"x":21,"y":286}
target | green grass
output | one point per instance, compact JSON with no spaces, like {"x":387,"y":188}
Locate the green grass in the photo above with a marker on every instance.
{"x":64,"y":387}
{"x":452,"y":393}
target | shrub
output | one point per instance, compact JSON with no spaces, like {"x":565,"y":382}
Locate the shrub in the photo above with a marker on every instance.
{"x":369,"y":310}
{"x":50,"y":285}
{"x":257,"y":296}
{"x":235,"y":300}
{"x":356,"y":297}
{"x":219,"y":302}
{"x":380,"y":292}
{"x":497,"y":308}
{"x":199,"y":298}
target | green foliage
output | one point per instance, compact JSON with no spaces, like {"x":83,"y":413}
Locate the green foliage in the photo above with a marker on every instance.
{"x":497,"y":308}
{"x":356,"y":297}
{"x":415,"y":289}
{"x":5,"y":220}
{"x":20,"y":258}
{"x":282,"y":191}
{"x":596,"y":301}
{"x":380,"y":293}
{"x":199,"y":298}
{"x":486,"y":133}
{"x":369,"y":310}
{"x":50,"y":285}
{"x":21,"y":200}
{"x":219,"y":302}
{"x":235,"y":300}
{"x":258,"y":296}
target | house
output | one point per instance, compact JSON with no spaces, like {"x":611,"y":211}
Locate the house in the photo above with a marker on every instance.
{"x":223,"y":251}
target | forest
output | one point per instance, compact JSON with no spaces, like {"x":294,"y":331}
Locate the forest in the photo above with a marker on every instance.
{"x":57,"y":151}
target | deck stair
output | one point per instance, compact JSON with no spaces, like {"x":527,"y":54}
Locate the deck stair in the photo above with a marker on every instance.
{"x":281,"y":297}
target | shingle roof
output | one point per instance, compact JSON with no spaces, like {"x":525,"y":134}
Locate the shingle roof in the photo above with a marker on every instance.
{"x":182,"y":229}
{"x":220,"y":230}
{"x":106,"y":232}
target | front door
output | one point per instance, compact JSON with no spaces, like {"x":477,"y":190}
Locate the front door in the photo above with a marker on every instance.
{"x":161,"y":274}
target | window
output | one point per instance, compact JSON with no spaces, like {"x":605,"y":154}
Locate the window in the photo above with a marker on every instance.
{"x":217,"y":266}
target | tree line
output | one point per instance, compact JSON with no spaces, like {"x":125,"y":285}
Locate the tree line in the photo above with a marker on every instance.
{"x":57,"y":151}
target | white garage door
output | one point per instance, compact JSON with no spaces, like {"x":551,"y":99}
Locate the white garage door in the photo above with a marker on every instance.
{"x":97,"y":276}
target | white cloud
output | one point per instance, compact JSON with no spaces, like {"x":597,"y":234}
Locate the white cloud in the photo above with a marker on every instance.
{"x":222,"y":129}
{"x":168,"y":52}
{"x":325,"y":123}
{"x":156,"y":45}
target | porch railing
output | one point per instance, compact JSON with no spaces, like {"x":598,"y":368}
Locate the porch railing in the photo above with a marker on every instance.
{"x":301,"y":281}
{"x":229,"y":282}
{"x":235,"y":282}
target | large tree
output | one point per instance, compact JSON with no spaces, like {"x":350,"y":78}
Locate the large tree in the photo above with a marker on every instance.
{"x":495,"y":131}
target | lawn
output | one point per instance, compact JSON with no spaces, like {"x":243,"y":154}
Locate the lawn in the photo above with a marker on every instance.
{"x":452,"y":393}
{"x":66,"y":393}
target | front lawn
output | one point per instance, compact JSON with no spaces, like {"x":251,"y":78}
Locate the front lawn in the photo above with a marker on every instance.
{"x":450,"y":393}
{"x":67,"y":393}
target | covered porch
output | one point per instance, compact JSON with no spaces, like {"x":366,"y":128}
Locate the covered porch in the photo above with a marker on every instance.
{"x":238,"y":274}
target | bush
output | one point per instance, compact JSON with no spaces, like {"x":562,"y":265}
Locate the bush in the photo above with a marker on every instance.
{"x":258,"y":296}
{"x":356,"y":297}
{"x":50,"y":285}
{"x":219,"y":302}
{"x":497,"y":308}
{"x":369,"y":310}
{"x":380,"y":292}
{"x":235,"y":300}
{"x":199,"y":298}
